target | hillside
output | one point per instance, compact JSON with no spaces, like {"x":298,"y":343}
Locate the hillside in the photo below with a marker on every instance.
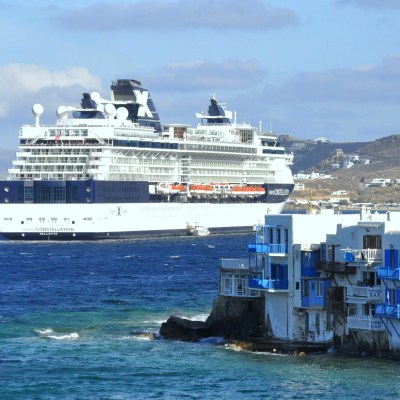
{"x":384,"y":162}
{"x":313,"y":154}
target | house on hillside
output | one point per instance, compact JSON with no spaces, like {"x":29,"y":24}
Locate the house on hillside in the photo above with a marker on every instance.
{"x":380,"y":182}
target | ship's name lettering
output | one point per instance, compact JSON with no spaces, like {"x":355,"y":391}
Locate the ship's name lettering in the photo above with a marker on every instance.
{"x":54,"y":229}
{"x":278,"y":192}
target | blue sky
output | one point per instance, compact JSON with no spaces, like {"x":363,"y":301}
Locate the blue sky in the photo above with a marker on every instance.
{"x":308,"y":68}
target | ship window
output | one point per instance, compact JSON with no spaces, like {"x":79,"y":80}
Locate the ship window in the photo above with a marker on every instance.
{"x":59,"y":194}
{"x":6,"y":189}
{"x":28,"y":193}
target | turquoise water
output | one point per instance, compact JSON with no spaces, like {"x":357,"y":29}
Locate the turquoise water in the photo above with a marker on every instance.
{"x":73,"y":315}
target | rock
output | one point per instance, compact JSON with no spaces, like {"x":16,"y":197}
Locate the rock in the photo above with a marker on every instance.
{"x":184,"y":329}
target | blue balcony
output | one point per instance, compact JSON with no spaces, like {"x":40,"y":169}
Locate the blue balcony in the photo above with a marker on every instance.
{"x":313,"y":301}
{"x":387,"y":311}
{"x":268,"y":284}
{"x":389,"y":273}
{"x":267,"y":248}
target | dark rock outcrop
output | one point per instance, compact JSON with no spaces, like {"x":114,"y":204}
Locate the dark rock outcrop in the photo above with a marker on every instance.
{"x":231,"y":318}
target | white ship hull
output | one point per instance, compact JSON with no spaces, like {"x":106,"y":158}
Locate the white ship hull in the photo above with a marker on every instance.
{"x":102,"y":221}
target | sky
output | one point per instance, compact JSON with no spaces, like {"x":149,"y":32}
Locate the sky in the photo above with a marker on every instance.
{"x":307,"y":68}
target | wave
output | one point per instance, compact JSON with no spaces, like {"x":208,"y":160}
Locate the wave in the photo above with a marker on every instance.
{"x":44,"y":332}
{"x":50,"y":334}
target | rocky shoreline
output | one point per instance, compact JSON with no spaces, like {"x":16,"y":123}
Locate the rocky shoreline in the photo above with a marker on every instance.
{"x":240,"y":321}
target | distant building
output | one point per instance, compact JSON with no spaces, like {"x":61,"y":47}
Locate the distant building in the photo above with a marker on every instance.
{"x":348,"y":164}
{"x":338,"y":153}
{"x":299,"y":186}
{"x":380,"y":182}
{"x":354,"y":157}
{"x":339,"y":193}
{"x":321,"y":139}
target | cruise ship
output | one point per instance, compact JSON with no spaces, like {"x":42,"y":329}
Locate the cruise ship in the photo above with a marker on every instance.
{"x":109,"y":169}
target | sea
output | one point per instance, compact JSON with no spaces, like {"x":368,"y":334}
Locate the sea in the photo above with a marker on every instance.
{"x":77,"y":321}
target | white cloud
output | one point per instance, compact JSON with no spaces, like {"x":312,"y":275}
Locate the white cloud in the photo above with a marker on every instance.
{"x":21,"y":79}
{"x":23,"y":85}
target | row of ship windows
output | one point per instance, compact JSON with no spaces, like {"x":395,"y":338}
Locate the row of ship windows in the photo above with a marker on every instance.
{"x":68,"y":132}
{"x":57,"y":151}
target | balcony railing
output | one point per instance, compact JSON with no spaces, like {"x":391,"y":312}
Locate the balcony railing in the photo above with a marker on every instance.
{"x":240,"y":264}
{"x":336,"y":267}
{"x":389,"y":273}
{"x":363,"y":255}
{"x":360,"y":292}
{"x":273,"y":248}
{"x":236,"y":285}
{"x":268,"y":284}
{"x":365,"y":322}
{"x":387,"y":311}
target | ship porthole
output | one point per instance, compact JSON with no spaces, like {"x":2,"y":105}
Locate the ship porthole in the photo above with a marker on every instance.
{"x":7,"y":189}
{"x":6,"y":200}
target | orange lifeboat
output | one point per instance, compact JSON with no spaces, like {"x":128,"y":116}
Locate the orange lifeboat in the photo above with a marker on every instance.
{"x":168,"y":188}
{"x":177,"y":188}
{"x":201,"y":189}
{"x":248,"y":190}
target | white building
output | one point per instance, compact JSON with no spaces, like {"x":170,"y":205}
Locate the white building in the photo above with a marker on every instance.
{"x":282,"y":268}
{"x":380,"y":182}
{"x":324,"y":276}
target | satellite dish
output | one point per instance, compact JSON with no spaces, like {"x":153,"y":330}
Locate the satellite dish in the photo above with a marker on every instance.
{"x":62,"y":112}
{"x":122,"y":113}
{"x":37,"y":110}
{"x":109,"y":109}
{"x":95,"y":96}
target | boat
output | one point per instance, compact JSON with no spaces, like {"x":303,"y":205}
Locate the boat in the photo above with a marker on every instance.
{"x":197,"y":230}
{"x":108,"y":169}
